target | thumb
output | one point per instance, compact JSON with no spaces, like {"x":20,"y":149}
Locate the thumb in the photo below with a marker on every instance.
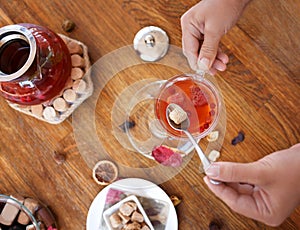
{"x":250,"y":173}
{"x":208,"y":51}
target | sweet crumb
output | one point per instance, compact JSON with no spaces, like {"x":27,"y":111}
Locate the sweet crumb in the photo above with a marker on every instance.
{"x":175,"y":200}
{"x":59,"y":158}
{"x":68,"y":25}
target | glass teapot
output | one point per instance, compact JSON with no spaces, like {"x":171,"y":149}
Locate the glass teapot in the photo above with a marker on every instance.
{"x":35,"y":64}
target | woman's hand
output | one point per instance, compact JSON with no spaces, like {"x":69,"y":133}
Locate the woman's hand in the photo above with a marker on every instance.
{"x":202,"y":28}
{"x":267,"y":190}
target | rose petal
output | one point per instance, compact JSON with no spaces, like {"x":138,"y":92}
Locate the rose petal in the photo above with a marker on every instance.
{"x":162,"y":153}
{"x":174,"y":160}
{"x":113,"y":196}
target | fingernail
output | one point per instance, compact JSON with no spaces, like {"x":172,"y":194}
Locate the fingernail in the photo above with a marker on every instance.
{"x":213,"y":171}
{"x":212,"y":72}
{"x":193,"y":64}
{"x":192,"y":60}
{"x":203,"y":64}
{"x":206,"y":180}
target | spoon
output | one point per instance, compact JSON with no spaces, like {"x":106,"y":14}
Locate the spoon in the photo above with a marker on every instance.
{"x":183,"y":126}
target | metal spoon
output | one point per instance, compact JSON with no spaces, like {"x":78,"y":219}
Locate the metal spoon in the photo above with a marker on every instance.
{"x":183,"y":126}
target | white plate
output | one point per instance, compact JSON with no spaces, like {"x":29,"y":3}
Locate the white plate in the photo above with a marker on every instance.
{"x":137,"y":186}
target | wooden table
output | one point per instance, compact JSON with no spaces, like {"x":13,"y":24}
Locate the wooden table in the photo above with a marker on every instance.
{"x":261,"y":89}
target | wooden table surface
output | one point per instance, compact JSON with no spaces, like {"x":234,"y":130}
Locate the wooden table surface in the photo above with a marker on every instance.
{"x":261,"y":89}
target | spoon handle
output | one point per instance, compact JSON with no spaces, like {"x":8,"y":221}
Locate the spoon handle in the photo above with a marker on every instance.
{"x":203,"y":158}
{"x":205,"y":161}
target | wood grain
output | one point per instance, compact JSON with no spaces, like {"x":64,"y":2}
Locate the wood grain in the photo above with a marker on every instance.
{"x":261,"y":89}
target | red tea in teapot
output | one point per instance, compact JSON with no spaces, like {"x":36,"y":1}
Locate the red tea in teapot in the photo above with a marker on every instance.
{"x":35,"y":64}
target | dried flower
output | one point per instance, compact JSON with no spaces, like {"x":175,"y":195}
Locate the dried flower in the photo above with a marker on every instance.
{"x":113,"y":196}
{"x":128,"y":124}
{"x":167,"y":156}
{"x":239,"y":138}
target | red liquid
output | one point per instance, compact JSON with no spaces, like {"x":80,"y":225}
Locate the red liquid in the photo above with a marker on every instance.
{"x":48,"y":74}
{"x":13,"y":56}
{"x":195,"y":98}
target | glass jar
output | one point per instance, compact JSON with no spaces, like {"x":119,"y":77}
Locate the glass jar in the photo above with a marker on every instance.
{"x":22,"y":213}
{"x":35,"y":64}
{"x":15,"y":207}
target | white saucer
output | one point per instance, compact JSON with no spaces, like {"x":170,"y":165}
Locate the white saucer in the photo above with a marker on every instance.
{"x":137,"y":186}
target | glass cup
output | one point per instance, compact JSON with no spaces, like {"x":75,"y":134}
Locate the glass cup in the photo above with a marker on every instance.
{"x":146,"y":103}
{"x":197,"y":96}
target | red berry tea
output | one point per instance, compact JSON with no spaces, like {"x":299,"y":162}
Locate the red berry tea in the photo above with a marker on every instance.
{"x":197,"y":97}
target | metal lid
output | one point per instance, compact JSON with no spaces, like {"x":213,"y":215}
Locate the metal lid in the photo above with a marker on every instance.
{"x":151,"y":43}
{"x":14,"y":32}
